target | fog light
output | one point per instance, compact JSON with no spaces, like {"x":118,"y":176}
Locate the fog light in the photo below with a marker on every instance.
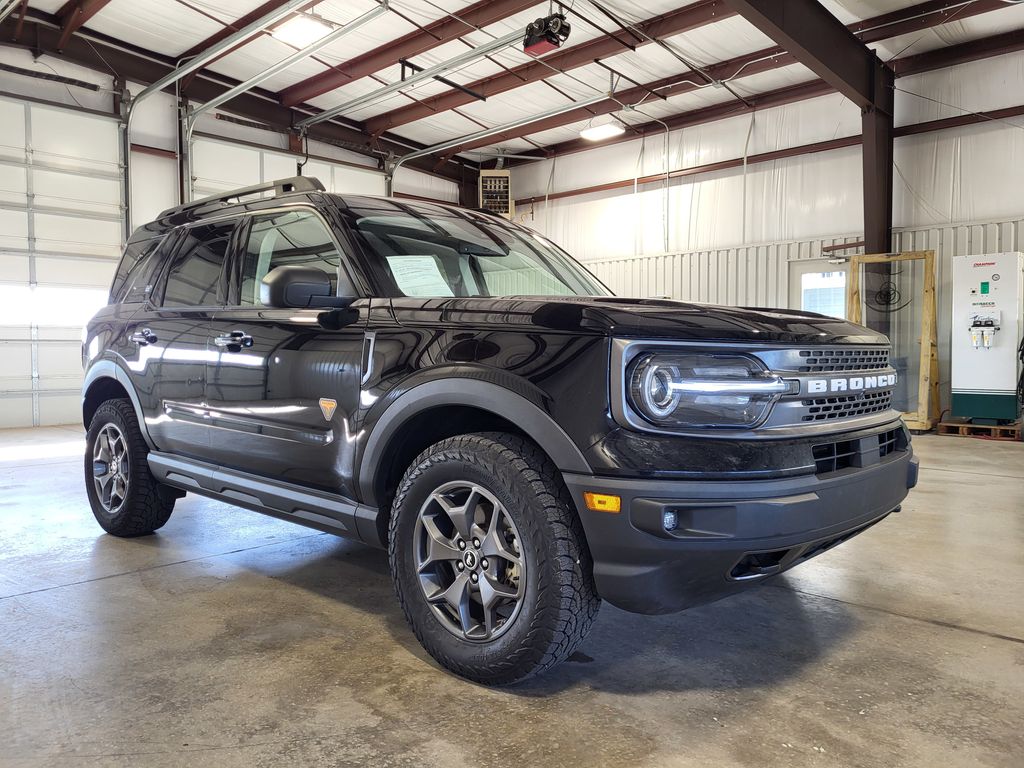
{"x":602,"y":502}
{"x":669,"y":520}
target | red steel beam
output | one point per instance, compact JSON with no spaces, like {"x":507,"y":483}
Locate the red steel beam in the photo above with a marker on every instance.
{"x":229,"y":29}
{"x":672,"y":23}
{"x":443,"y":30}
{"x":986,"y":47}
{"x":726,"y":109}
{"x":975,"y":118}
{"x":920,"y":16}
{"x":74,"y":14}
{"x":943,"y":57}
{"x":232,"y":27}
{"x":914,"y":18}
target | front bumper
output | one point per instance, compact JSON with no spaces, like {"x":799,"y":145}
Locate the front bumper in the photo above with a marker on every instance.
{"x":728,"y":535}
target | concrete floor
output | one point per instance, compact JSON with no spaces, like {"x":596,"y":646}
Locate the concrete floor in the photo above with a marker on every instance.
{"x":231,"y":639}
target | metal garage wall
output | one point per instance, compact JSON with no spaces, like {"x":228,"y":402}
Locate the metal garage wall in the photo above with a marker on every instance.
{"x":759,"y":275}
{"x":60,"y":239}
{"x":753,"y":275}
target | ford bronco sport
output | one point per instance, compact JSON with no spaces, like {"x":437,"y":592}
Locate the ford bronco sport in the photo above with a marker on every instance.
{"x":453,"y":387}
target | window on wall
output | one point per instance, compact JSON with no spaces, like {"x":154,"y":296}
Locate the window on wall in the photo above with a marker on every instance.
{"x":824,"y":293}
{"x":287,"y":238}
{"x":194,"y":277}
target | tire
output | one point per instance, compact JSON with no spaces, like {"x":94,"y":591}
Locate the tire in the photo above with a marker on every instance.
{"x":126,"y":500}
{"x":532,"y":565}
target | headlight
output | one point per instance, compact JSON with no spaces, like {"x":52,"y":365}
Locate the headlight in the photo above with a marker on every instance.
{"x":701,"y":390}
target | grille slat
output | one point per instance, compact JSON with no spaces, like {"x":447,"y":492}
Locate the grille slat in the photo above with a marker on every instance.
{"x":846,"y":406}
{"x":839,"y":360}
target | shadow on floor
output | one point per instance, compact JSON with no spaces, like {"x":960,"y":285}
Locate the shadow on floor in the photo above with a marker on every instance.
{"x":749,"y":641}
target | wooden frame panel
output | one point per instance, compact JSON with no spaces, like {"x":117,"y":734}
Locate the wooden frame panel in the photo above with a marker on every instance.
{"x":926,"y":416}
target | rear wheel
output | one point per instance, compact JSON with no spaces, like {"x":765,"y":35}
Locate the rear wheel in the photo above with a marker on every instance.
{"x":489,"y":560}
{"x":125,"y":497}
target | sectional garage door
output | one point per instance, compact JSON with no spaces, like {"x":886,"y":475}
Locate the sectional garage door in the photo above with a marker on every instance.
{"x":60,"y":237}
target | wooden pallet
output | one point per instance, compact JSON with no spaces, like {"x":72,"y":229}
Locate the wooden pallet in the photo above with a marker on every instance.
{"x":992,"y":432}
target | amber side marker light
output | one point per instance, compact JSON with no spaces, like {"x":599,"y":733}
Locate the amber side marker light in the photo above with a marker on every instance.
{"x":602,"y":502}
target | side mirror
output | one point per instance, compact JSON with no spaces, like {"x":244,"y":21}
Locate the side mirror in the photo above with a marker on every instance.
{"x":298,"y":287}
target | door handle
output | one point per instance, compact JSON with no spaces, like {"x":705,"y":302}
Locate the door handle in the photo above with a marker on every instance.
{"x":143,"y":337}
{"x":233,"y":339}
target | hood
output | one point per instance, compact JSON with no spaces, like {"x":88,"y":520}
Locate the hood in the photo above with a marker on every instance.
{"x":634,"y":318}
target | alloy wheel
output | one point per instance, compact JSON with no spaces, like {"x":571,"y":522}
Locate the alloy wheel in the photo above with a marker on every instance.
{"x":469,"y":561}
{"x":110,"y":468}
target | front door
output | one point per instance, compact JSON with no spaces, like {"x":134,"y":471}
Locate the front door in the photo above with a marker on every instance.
{"x":167,"y":349}
{"x":282,"y":390}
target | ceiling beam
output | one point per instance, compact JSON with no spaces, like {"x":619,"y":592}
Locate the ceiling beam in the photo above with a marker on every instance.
{"x":914,"y":18}
{"x":973,"y":50}
{"x":672,"y":23}
{"x":926,"y":62}
{"x":910,"y":19}
{"x":975,"y":118}
{"x":925,"y":15}
{"x":102,"y":54}
{"x":819,"y":42}
{"x":74,"y":14}
{"x":445,"y":29}
{"x":729,"y":108}
{"x":229,"y":29}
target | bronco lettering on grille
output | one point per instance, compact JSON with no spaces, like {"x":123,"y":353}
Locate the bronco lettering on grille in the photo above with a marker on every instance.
{"x":850,"y":383}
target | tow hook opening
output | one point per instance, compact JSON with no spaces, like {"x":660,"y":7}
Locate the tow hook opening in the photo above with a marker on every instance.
{"x":758,"y":565}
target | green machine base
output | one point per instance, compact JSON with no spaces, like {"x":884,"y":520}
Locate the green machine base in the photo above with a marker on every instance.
{"x":986,"y":409}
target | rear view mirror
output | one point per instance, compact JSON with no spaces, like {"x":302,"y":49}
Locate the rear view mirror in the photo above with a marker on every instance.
{"x":297,"y":287}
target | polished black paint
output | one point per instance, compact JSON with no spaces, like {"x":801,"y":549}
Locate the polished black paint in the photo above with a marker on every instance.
{"x":311,"y":401}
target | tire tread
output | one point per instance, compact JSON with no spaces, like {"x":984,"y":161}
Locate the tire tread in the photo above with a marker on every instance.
{"x":550,"y":639}
{"x":149,"y":503}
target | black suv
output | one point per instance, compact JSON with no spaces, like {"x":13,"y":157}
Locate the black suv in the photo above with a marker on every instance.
{"x":453,"y":387}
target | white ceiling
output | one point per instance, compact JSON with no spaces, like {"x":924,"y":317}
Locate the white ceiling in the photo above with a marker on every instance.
{"x":170,"y":27}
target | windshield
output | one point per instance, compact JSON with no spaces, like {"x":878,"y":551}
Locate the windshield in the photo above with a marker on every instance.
{"x":427,"y":251}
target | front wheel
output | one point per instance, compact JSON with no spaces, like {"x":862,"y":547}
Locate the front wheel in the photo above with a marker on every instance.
{"x":489,"y":560}
{"x":125,"y":497}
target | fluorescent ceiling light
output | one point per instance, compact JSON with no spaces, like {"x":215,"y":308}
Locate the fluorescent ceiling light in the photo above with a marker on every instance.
{"x":301,"y":30}
{"x":602,"y":130}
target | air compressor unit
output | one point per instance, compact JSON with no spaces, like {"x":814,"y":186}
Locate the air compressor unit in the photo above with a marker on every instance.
{"x":988,"y":337}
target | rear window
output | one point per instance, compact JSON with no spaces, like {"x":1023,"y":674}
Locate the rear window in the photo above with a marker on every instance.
{"x":194,"y":277}
{"x":135,"y":272}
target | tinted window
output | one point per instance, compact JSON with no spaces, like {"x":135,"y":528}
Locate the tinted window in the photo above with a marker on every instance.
{"x":431,"y":252}
{"x":194,"y":277}
{"x":286,"y":238}
{"x":135,"y":271}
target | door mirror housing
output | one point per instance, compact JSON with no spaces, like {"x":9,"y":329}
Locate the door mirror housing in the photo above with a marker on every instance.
{"x":298,"y":287}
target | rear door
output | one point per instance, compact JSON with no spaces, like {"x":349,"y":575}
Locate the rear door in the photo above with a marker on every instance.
{"x":282,"y":390}
{"x":167,"y":340}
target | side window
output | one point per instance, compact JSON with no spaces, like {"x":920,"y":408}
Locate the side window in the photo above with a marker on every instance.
{"x":282,"y":239}
{"x":135,"y":271}
{"x":195,"y":274}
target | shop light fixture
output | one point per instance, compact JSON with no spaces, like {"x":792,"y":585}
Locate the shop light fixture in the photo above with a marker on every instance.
{"x":301,"y":30}
{"x":598,"y":130}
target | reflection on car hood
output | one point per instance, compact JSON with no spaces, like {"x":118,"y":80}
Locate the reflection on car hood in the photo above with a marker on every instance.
{"x":635,"y":318}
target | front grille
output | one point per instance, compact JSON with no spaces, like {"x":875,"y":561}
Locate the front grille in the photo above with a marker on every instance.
{"x":836,"y":360}
{"x":832,"y":457}
{"x":846,"y":406}
{"x":890,"y":441}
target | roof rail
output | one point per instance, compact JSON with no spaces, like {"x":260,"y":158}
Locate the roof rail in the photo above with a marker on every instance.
{"x":279,"y":188}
